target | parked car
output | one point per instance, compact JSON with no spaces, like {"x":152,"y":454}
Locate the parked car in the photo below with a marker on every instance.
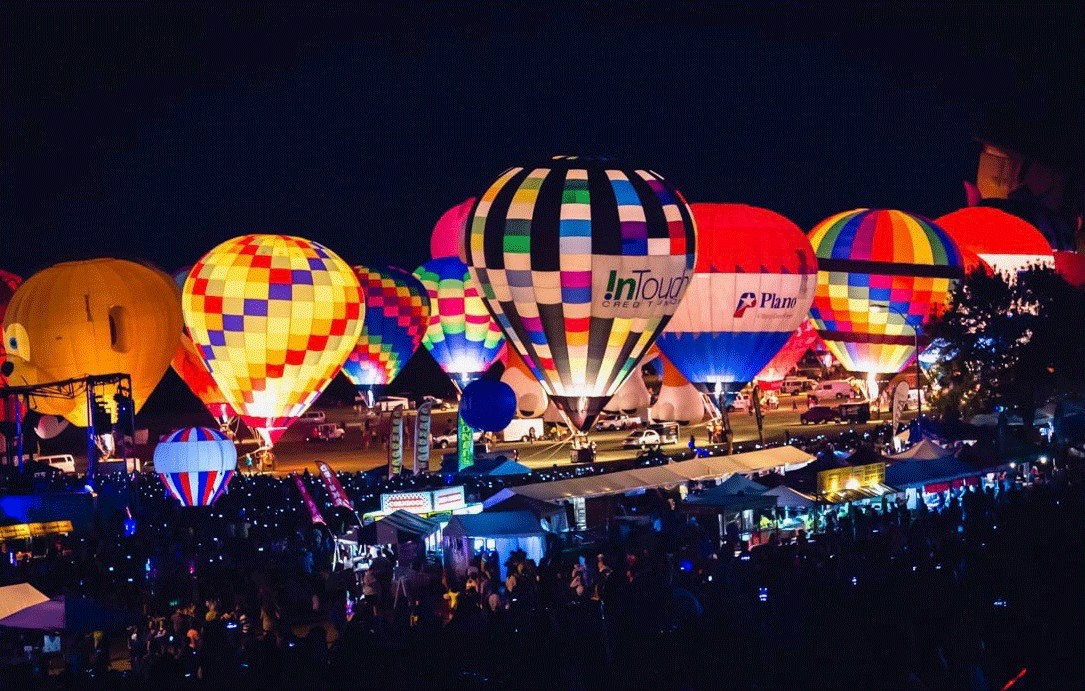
{"x":386,"y":404}
{"x":618,"y":422}
{"x":836,"y":389}
{"x":796,"y":385}
{"x":443,"y":441}
{"x":668,"y":431}
{"x":740,"y":401}
{"x":645,"y":438}
{"x":855,"y":413}
{"x":64,"y":462}
{"x":819,"y":414}
{"x":435,"y":403}
{"x":523,"y":429}
{"x":327,"y":432}
{"x":314,"y":416}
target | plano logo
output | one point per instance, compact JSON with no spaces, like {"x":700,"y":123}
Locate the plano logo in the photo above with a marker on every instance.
{"x":768,"y":301}
{"x":745,"y":302}
{"x":643,"y":288}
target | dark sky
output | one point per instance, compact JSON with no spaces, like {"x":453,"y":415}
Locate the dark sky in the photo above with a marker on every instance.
{"x":156,"y":130}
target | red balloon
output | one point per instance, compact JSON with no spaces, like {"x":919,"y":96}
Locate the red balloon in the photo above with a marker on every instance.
{"x":1071,"y":266}
{"x":450,"y":232}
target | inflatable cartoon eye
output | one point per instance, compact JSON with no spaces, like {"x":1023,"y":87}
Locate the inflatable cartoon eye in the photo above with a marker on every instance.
{"x":16,"y":341}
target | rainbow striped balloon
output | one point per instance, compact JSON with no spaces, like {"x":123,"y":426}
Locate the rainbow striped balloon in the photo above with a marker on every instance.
{"x":881,"y":274}
{"x":195,"y":464}
{"x":462,"y":337}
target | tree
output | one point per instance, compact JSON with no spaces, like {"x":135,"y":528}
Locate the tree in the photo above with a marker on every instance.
{"x":1012,"y":342}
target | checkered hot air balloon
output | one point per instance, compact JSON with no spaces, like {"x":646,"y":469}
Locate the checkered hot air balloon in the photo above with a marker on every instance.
{"x":582,"y":261}
{"x":397,"y":312}
{"x":756,"y":275}
{"x":880,"y":276}
{"x":275,"y":318}
{"x":190,"y":367}
{"x":195,"y":465}
{"x":462,"y":337}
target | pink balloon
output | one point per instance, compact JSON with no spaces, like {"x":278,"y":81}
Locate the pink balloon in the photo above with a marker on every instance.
{"x":449,"y":233}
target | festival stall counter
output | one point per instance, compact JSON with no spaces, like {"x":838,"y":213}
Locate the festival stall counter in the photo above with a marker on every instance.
{"x":503,"y":532}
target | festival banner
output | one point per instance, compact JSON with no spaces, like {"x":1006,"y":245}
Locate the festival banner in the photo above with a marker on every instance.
{"x":422,"y":425}
{"x":466,"y":443}
{"x":314,"y":512}
{"x":395,"y":443}
{"x":331,"y":484}
{"x":449,"y":499}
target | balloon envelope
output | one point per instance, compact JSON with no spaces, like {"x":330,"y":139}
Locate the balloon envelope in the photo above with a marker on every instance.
{"x":868,"y":258}
{"x":1071,"y":266}
{"x":195,"y":464}
{"x":93,"y":317}
{"x":488,"y":405}
{"x":448,"y":235}
{"x":1004,"y":241}
{"x":50,"y":426}
{"x":190,"y":367}
{"x":803,"y":339}
{"x":582,"y":261}
{"x":678,"y":400}
{"x":531,"y":400}
{"x":462,"y":336}
{"x":275,"y":318}
{"x":755,"y":280}
{"x":397,"y":312}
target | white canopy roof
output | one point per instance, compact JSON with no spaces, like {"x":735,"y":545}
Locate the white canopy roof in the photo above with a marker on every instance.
{"x":661,"y":476}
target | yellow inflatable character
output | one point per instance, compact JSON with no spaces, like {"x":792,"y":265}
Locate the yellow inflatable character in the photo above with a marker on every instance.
{"x":100,"y":316}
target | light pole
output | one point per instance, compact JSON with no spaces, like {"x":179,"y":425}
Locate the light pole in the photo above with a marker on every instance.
{"x":877,"y":307}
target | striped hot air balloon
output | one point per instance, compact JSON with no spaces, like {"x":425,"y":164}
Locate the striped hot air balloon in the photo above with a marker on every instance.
{"x":881,"y":274}
{"x":397,"y":312}
{"x":755,"y":280}
{"x":195,"y":464}
{"x":462,"y":337}
{"x":582,"y":261}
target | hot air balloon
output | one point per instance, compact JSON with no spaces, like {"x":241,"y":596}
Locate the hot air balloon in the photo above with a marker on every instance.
{"x":531,"y":400}
{"x":802,"y":339}
{"x":195,"y":464}
{"x":397,"y":312}
{"x":582,"y":262}
{"x":1003,"y":241}
{"x":100,"y":316}
{"x":632,"y":395}
{"x":50,"y":426}
{"x":275,"y":318}
{"x":678,"y":400}
{"x":189,"y":366}
{"x":880,"y":276}
{"x":449,"y":233}
{"x":462,"y":337}
{"x":1071,"y":266}
{"x":756,"y":275}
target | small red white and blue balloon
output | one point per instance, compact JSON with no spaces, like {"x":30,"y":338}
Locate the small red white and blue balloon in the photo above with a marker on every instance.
{"x":195,"y":464}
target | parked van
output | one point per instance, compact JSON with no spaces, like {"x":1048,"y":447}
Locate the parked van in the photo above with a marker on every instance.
{"x":794,"y":385}
{"x":837,"y":389}
{"x":64,"y":461}
{"x":386,"y":404}
{"x":314,"y":416}
{"x":523,"y":429}
{"x":668,"y":431}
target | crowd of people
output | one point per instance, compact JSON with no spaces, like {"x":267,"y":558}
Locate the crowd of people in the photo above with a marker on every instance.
{"x":244,"y":595}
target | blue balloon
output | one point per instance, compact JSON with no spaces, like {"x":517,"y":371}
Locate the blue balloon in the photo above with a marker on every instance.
{"x":488,"y":405}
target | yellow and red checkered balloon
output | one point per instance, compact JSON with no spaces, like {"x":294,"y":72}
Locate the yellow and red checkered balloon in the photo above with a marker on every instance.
{"x":275,"y":318}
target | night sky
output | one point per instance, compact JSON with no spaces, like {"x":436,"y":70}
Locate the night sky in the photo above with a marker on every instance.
{"x":156,"y":131}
